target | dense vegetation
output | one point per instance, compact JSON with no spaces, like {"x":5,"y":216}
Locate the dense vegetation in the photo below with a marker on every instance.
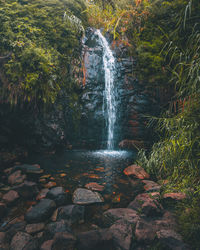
{"x":39,"y":52}
{"x":165,"y":38}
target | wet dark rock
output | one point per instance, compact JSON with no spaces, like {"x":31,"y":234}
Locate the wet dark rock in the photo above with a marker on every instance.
{"x":115,"y":214}
{"x":33,"y":244}
{"x":19,"y":241}
{"x":34,"y":228}
{"x":40,"y":212}
{"x":11,"y":230}
{"x":47,"y":245}
{"x":63,"y":240}
{"x":84,"y":196}
{"x":122,"y":235}
{"x":145,"y":231}
{"x":136,"y":171}
{"x":59,"y":195}
{"x":2,"y":209}
{"x":151,"y":186}
{"x":95,"y":239}
{"x":16,"y":178}
{"x":72,"y":213}
{"x":10,"y":197}
{"x":171,"y":240}
{"x":57,"y":227}
{"x":94,"y":186}
{"x":28,"y":189}
{"x":144,"y":203}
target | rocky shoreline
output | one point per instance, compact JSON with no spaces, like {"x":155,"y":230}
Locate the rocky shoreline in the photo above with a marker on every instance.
{"x":36,"y":215}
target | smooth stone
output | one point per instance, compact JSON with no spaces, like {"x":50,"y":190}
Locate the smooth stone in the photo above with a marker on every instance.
{"x":174,"y":196}
{"x":19,"y":241}
{"x":84,"y":196}
{"x":72,"y":213}
{"x":34,"y":228}
{"x":94,"y":186}
{"x":57,"y":227}
{"x":122,"y":235}
{"x":42,"y":194}
{"x":40,"y":212}
{"x":136,"y":171}
{"x":47,"y":245}
{"x":151,"y":186}
{"x":115,"y":214}
{"x":59,"y":195}
{"x":11,"y":197}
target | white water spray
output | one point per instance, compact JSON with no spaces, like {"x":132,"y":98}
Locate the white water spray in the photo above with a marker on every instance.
{"x":109,"y":96}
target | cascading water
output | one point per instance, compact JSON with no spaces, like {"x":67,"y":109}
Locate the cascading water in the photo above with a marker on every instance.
{"x":109,"y":96}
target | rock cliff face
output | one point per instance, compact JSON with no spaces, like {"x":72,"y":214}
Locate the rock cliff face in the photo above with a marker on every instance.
{"x":132,"y":97}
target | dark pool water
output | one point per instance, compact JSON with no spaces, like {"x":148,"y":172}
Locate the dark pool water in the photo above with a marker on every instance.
{"x":76,"y":168}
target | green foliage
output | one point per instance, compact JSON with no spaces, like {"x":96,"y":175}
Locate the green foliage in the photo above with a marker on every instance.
{"x":42,"y":39}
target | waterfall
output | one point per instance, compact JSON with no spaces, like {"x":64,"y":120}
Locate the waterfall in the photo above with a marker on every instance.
{"x":109,"y":93}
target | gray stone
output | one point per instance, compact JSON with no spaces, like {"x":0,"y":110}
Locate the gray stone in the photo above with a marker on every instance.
{"x":63,"y":240}
{"x":59,"y":195}
{"x":84,"y":196}
{"x":40,"y":212}
{"x":34,"y":228}
{"x":72,"y":213}
{"x":57,"y":227}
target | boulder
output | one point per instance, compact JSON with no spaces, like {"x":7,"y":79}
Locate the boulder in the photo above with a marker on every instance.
{"x":84,"y":196}
{"x":151,"y":186}
{"x":95,"y":239}
{"x":174,"y":197}
{"x":33,"y":244}
{"x":146,"y":204}
{"x":40,"y":212}
{"x":122,"y":235}
{"x":94,"y":186}
{"x":19,"y":241}
{"x":34,"y":228}
{"x":59,"y":195}
{"x":11,"y":197}
{"x":169,"y":239}
{"x":115,"y":214}
{"x":63,"y":240}
{"x":145,"y":231}
{"x":47,"y":245}
{"x":136,"y":171}
{"x":72,"y":213}
{"x":57,"y":227}
{"x":16,"y":178}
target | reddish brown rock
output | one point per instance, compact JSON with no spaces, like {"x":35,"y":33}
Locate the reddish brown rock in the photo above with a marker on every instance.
{"x":50,"y":184}
{"x":94,"y":186}
{"x":136,"y":171}
{"x":2,"y":237}
{"x":147,"y":205}
{"x":145,"y":231}
{"x":151,"y":186}
{"x":16,"y":178}
{"x":115,"y":214}
{"x":19,"y":241}
{"x":34,"y":228}
{"x":122,"y":235}
{"x":47,"y":245}
{"x":10,"y":197}
{"x":174,"y":196}
{"x":42,"y":194}
{"x":2,"y":209}
{"x":171,"y":240}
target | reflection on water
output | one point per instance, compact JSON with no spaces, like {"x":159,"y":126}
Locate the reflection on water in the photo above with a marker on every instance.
{"x":76,"y":168}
